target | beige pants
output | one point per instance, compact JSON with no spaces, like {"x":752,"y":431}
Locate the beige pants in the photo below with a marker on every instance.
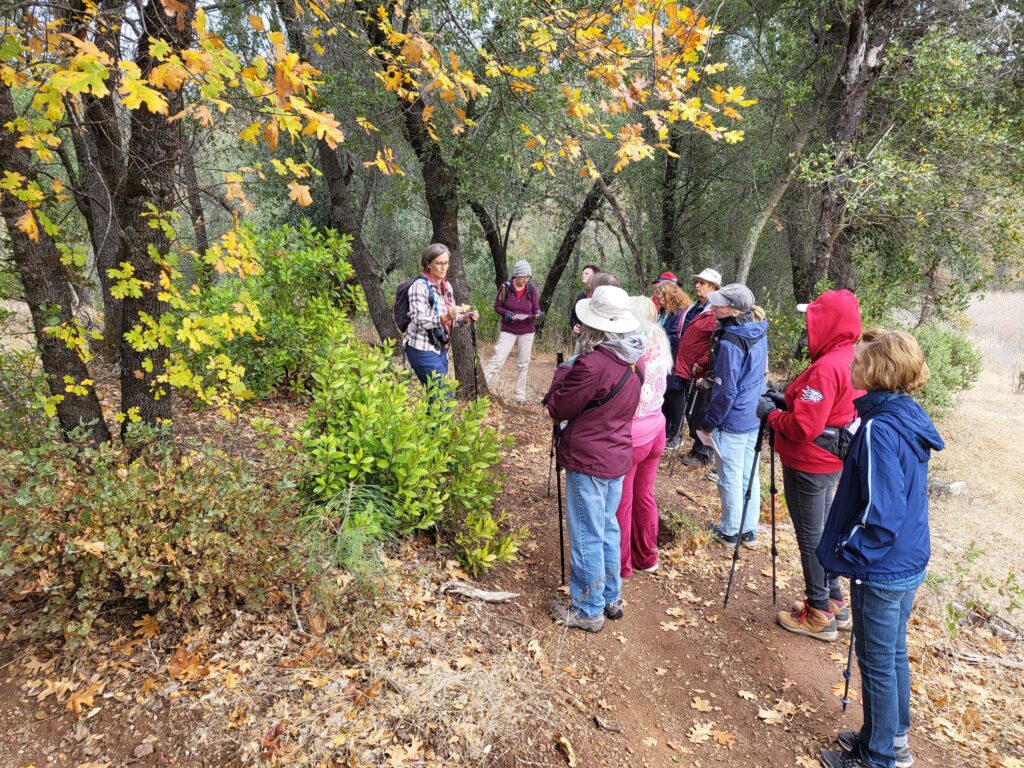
{"x":501,"y":352}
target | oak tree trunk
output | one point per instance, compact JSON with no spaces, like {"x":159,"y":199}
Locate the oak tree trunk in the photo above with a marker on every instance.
{"x":47,"y":289}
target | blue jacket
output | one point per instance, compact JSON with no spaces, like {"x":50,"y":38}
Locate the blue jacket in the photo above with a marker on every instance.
{"x":877,"y":527}
{"x":739,"y":366}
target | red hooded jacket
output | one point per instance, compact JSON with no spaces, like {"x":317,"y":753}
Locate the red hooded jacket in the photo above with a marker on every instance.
{"x":822,"y":396}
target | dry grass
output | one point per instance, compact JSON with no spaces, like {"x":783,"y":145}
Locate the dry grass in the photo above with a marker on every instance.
{"x":967,"y":645}
{"x":996,"y":323}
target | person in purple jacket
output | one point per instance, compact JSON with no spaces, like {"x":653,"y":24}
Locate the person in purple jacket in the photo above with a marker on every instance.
{"x":594,"y":395}
{"x":518,"y":306}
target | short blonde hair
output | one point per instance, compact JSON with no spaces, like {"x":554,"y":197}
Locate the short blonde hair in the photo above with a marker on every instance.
{"x":874,"y":333}
{"x":893,"y":362}
{"x":671,"y":296}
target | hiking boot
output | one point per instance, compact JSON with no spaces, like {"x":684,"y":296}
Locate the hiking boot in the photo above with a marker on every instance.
{"x":831,"y":758}
{"x":613,"y":610}
{"x":844,"y":619}
{"x":809,"y":621}
{"x":569,"y":617}
{"x":849,"y":741}
{"x":720,"y":536}
{"x":672,"y":444}
{"x":652,"y":569}
{"x":749,"y":540}
{"x":692,"y":460}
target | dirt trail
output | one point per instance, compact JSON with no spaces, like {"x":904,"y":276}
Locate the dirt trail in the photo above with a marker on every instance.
{"x":661,"y":676}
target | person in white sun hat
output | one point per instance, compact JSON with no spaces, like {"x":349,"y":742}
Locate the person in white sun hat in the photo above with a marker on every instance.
{"x":593,"y":396}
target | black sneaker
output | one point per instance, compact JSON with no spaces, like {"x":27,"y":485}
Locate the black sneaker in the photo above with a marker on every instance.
{"x":749,"y":540}
{"x":693,"y":460}
{"x":614,"y":610}
{"x":718,"y":535}
{"x":849,"y":740}
{"x":832,"y":758}
{"x":672,"y":444}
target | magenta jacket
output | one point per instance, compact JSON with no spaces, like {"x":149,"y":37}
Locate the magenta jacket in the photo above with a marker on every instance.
{"x":597,"y":442}
{"x":527,"y":304}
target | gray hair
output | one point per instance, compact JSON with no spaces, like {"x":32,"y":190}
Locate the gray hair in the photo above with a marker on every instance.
{"x":433,"y":251}
{"x":591,"y":338}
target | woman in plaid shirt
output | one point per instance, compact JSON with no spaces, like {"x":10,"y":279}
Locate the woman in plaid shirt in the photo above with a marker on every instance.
{"x":432,"y":315}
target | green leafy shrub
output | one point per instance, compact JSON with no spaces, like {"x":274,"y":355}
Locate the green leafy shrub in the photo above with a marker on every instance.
{"x":22,"y":388}
{"x":83,"y":528}
{"x":305,"y":286}
{"x":954,"y":362}
{"x":368,"y":426}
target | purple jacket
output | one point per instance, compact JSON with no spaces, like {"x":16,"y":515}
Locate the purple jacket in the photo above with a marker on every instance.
{"x":597,"y":442}
{"x":527,"y":304}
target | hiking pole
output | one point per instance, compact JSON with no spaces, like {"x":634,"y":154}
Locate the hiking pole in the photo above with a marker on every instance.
{"x":476,"y":359}
{"x":559,"y":359}
{"x":687,"y":414}
{"x":846,"y":674}
{"x":561,"y":524}
{"x":746,"y":504}
{"x":773,"y":490}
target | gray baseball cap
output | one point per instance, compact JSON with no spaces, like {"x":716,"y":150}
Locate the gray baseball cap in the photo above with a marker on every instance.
{"x":735,"y":295}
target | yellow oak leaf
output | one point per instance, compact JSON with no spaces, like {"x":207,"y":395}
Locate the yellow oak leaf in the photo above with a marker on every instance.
{"x":147,"y":627}
{"x":299,"y":193}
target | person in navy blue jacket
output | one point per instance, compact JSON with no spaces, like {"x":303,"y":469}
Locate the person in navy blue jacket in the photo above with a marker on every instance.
{"x":877,"y":535}
{"x":739,"y":358}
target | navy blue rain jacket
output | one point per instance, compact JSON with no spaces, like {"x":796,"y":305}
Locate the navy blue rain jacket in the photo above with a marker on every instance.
{"x":739,"y":368}
{"x":877,"y":528}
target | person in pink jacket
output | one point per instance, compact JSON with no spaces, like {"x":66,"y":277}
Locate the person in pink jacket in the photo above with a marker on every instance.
{"x":638,"y":510}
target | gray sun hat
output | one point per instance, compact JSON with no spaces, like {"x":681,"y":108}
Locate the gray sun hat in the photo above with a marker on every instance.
{"x":522,"y":269}
{"x":608,"y":311}
{"x":735,"y":295}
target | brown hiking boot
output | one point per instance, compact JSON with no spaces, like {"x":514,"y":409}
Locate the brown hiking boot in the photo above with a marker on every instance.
{"x":809,"y":621}
{"x":839,"y":608}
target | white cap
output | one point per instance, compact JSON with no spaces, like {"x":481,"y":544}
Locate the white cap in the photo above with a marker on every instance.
{"x":802,"y":307}
{"x":710,"y":276}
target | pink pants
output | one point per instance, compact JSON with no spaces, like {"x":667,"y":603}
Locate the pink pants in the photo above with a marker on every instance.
{"x":638,"y":511}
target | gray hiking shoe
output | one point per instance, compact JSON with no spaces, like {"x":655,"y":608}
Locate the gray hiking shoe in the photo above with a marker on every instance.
{"x":613,"y":610}
{"x":848,"y":740}
{"x":568,"y":616}
{"x":832,"y":758}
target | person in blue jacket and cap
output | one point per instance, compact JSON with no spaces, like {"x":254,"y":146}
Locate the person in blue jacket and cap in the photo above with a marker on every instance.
{"x":739,"y":359}
{"x":877,"y":535}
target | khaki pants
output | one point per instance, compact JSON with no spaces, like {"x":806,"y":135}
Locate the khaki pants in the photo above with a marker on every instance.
{"x":502,"y":349}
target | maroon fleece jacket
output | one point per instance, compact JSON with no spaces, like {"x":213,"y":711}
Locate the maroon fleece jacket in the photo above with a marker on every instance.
{"x":599,"y":441}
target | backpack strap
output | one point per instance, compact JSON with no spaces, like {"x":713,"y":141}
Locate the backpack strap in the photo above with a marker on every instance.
{"x":597,"y":403}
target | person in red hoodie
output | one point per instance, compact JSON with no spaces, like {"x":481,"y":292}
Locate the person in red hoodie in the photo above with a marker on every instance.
{"x":820,"y":397}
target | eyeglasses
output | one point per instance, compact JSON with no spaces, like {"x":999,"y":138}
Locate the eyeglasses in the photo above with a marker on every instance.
{"x":439,"y":263}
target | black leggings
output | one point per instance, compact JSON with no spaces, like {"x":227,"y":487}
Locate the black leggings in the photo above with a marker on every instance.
{"x":673,"y":407}
{"x":808,"y":497}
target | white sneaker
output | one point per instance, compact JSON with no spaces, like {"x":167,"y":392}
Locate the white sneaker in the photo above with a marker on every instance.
{"x":652,"y":569}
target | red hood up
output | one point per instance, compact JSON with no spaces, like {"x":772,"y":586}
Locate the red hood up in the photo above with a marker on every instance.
{"x":833,"y":319}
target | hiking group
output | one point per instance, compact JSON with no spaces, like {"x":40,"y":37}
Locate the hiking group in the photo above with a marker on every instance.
{"x":853,"y":444}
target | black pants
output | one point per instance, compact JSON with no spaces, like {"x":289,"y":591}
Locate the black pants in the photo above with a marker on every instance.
{"x":700,"y":408}
{"x":673,"y":407}
{"x":809,"y":496}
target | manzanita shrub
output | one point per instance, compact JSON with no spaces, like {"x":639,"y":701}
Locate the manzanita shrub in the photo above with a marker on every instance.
{"x":367,"y":425}
{"x":190,"y":536}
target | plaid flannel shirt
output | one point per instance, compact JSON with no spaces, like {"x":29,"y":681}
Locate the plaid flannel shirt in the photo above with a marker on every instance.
{"x":425,"y":314}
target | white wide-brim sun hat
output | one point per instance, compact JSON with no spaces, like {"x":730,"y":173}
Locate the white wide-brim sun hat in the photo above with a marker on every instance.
{"x":608,"y":310}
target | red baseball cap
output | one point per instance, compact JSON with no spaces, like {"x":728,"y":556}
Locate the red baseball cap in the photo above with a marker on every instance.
{"x":665,"y":277}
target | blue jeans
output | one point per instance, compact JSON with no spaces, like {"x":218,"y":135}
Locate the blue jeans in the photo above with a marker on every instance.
{"x":590,"y":504}
{"x":880,"y":612}
{"x":733,"y":467}
{"x":427,"y":362}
